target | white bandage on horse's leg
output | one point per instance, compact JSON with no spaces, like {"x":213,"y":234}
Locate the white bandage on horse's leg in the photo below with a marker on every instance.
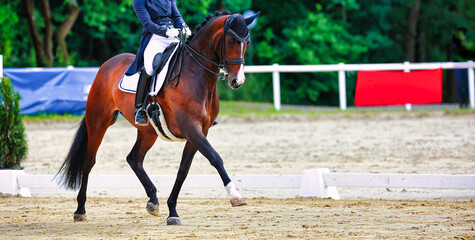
{"x":231,"y":189}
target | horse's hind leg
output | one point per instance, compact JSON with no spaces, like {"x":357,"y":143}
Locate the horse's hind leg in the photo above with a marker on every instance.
{"x":135,"y":159}
{"x":96,"y":128}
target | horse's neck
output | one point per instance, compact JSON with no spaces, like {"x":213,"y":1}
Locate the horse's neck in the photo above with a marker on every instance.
{"x":204,"y":45}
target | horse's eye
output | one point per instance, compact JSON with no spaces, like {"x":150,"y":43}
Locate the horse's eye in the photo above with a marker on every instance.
{"x":230,"y":42}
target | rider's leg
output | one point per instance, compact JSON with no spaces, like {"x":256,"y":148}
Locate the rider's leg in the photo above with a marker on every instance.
{"x":140,"y":99}
{"x":153,"y":47}
{"x":152,"y":55}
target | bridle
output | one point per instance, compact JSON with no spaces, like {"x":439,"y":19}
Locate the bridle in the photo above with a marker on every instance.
{"x":228,"y":30}
{"x":223,"y":63}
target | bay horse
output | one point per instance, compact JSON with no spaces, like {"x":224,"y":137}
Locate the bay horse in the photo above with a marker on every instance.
{"x":190,"y":108}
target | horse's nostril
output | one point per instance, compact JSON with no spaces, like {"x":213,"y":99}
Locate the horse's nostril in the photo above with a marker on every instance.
{"x":234,"y":82}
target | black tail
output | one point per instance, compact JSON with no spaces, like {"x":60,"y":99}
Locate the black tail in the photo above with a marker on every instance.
{"x":70,"y":173}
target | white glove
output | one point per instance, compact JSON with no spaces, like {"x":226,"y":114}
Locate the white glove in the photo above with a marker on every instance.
{"x":172,"y":32}
{"x":186,"y":31}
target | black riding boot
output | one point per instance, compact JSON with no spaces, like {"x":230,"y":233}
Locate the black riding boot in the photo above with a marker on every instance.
{"x":140,"y":115}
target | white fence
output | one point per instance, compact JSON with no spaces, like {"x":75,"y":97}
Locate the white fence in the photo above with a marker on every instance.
{"x":342,"y":68}
{"x":312,"y":183}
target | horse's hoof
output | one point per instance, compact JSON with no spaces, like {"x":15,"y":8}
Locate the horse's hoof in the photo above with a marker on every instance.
{"x":80,"y":217}
{"x":173,"y":221}
{"x":152,"y":208}
{"x":237,"y":201}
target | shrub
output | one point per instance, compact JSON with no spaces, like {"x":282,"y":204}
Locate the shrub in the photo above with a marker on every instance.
{"x":13,"y":146}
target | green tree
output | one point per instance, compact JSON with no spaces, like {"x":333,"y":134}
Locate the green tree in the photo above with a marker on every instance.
{"x":50,"y":40}
{"x":8,"y":20}
{"x":306,"y":34}
{"x":13,"y":146}
{"x":288,"y":32}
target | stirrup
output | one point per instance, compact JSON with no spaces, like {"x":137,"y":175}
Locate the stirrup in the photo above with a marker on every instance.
{"x":143,"y":121}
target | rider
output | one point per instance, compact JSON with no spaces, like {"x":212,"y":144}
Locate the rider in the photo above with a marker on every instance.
{"x":158,"y":33}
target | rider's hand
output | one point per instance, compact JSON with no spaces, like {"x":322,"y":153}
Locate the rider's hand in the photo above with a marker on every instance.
{"x":186,"y":30}
{"x":172,"y":33}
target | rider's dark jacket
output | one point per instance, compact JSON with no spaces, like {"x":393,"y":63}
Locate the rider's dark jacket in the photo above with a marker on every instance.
{"x":155,"y":16}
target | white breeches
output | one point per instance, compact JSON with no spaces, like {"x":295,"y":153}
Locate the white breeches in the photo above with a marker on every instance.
{"x":156,"y":45}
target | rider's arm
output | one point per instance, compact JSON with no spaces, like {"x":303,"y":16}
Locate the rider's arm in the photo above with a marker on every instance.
{"x":176,"y":16}
{"x":144,"y":17}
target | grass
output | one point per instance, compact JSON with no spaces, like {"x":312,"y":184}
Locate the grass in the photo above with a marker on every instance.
{"x":265,"y":111}
{"x":52,"y":118}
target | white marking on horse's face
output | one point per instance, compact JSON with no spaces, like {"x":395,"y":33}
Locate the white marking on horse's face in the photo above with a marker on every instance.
{"x":240,"y":76}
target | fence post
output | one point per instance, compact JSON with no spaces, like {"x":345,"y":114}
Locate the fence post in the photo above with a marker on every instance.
{"x":407,"y":67}
{"x":276,"y":86}
{"x":342,"y":86}
{"x":471,"y":87}
{"x":313,"y":185}
{"x":9,"y":183}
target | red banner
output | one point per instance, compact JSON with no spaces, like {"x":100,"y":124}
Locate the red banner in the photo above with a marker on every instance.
{"x":382,"y":88}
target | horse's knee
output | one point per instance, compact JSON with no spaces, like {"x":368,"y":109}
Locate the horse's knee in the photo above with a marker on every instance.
{"x":216,"y":162}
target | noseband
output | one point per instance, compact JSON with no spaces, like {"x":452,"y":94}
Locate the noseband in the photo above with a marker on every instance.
{"x":223,"y":63}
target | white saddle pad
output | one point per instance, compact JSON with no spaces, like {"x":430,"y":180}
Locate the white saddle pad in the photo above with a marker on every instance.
{"x":129,"y":83}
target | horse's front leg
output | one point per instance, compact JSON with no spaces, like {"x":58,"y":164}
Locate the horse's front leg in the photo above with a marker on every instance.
{"x":186,"y":159}
{"x":198,"y":139}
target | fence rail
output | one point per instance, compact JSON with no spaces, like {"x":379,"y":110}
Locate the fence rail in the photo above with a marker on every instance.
{"x":167,"y":181}
{"x":342,"y":68}
{"x":312,"y":183}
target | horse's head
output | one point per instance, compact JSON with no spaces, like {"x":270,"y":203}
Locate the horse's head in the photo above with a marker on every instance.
{"x":231,"y":46}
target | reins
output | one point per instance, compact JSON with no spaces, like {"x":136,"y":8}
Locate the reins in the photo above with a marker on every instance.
{"x":222,"y":59}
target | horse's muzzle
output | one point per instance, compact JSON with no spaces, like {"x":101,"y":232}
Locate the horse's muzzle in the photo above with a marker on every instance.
{"x":235,"y":84}
{"x":236,"y":80}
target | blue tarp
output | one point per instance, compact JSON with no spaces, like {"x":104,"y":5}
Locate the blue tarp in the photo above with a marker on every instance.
{"x":52,"y":90}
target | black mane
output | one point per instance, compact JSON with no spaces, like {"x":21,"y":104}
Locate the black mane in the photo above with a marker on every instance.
{"x":208,"y":19}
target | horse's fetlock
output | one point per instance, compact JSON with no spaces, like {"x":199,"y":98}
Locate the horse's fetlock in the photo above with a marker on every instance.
{"x":152,"y":192}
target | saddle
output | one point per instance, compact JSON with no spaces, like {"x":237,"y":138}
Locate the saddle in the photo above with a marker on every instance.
{"x":161,"y":72}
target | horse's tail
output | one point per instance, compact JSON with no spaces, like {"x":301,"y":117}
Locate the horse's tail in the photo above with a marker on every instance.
{"x":70,"y":173}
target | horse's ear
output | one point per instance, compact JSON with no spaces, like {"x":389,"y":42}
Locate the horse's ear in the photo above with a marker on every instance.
{"x":251,"y":18}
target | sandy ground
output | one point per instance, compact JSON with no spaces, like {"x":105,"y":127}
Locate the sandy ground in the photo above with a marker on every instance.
{"x":427,"y":142}
{"x":263,"y":218}
{"x":417,"y":142}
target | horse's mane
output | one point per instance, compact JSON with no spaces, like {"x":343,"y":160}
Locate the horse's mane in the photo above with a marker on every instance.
{"x":208,"y":19}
